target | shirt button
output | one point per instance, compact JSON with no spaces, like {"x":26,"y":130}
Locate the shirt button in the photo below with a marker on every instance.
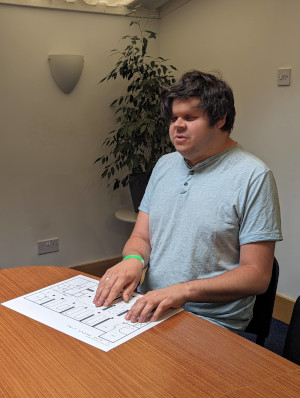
{"x":192,"y":172}
{"x":185,"y":184}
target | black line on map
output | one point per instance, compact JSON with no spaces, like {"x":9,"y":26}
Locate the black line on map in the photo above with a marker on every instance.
{"x":46,"y":302}
{"x":105,"y":320}
{"x":107,"y":308}
{"x":70,"y":308}
{"x":122,"y":313}
{"x":87,"y":317}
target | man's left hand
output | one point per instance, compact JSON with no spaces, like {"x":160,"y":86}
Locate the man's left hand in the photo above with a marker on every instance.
{"x":154,"y":303}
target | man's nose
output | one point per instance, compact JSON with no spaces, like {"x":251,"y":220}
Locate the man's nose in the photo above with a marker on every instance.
{"x":179,"y":123}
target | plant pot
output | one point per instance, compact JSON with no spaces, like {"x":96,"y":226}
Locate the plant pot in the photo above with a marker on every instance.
{"x":137,"y":184}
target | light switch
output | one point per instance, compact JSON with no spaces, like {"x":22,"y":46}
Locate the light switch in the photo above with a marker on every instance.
{"x":284,"y":77}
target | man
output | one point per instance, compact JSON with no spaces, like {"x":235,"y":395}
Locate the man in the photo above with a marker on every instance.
{"x":209,"y":219}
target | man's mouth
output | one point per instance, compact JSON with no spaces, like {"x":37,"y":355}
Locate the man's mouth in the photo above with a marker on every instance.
{"x":179,"y":137}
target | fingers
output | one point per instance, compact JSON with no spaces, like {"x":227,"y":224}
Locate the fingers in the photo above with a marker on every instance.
{"x":128,"y":291}
{"x":153,"y":304}
{"x":148,"y":308}
{"x":144,"y":310}
{"x":108,"y":289}
{"x":115,"y":279}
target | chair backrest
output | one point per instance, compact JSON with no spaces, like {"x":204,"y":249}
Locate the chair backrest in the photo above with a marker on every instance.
{"x":291,"y":350}
{"x":263,"y":309}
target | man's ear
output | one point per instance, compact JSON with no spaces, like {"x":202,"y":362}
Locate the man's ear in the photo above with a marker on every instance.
{"x":220,"y":123}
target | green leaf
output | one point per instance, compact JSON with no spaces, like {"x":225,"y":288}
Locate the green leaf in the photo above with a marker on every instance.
{"x":116,"y":184}
{"x":152,"y":35}
{"x":143,"y":128}
{"x":145,"y":44}
{"x":134,"y":23}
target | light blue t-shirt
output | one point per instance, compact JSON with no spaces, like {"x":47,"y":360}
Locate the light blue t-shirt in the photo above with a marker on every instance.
{"x":199,"y":217}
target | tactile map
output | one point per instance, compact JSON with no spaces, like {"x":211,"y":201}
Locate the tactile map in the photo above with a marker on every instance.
{"x":68,"y":306}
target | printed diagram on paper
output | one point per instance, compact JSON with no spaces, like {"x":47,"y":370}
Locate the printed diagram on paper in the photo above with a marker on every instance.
{"x":68,"y":307}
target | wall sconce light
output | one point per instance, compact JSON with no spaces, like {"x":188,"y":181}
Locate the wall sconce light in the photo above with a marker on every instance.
{"x":66,"y":70}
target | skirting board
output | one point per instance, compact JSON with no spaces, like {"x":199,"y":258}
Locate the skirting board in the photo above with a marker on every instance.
{"x":98,"y":268}
{"x":283,"y":307}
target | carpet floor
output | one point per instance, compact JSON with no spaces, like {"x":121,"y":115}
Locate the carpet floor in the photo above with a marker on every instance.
{"x":276,"y":339}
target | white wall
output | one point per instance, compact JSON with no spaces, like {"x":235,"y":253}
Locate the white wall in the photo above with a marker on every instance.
{"x":248,"y":41}
{"x":49,"y":140}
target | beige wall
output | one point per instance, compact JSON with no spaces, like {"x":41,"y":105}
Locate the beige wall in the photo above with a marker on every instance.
{"x":248,"y":41}
{"x":49,"y":140}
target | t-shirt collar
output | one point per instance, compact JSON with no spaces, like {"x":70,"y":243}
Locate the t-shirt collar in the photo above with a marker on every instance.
{"x":211,"y":159}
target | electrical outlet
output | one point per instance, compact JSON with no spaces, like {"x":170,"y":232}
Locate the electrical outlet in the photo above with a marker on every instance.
{"x":48,"y":246}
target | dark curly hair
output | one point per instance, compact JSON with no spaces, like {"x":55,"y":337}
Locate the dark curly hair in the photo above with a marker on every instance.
{"x":216,"y":97}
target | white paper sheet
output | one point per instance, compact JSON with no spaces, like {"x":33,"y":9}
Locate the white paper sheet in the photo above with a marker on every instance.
{"x":68,"y":306}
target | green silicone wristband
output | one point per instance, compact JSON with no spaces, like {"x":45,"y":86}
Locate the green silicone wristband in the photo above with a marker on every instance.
{"x":135,"y":256}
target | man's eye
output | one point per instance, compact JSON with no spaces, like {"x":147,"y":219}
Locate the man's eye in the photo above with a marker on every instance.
{"x":173,"y":119}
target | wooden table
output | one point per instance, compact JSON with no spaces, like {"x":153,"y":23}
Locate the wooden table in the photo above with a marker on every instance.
{"x":184,"y":356}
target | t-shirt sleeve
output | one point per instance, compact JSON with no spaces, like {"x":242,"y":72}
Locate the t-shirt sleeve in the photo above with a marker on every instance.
{"x":260,"y":211}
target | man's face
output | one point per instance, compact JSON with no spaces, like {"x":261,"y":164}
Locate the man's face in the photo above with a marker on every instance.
{"x":190,"y":132}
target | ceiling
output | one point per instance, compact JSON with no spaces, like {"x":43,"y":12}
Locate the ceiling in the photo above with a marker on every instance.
{"x":115,"y":7}
{"x":149,"y":4}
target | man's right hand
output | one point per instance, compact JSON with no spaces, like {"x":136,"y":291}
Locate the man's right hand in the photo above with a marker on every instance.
{"x":125,"y":274}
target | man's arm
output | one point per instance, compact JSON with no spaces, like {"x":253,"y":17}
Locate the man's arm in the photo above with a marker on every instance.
{"x":251,"y":277}
{"x":127,"y":273}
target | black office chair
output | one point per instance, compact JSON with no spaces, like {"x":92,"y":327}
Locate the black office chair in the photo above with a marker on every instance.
{"x":263,"y":309}
{"x":291,"y":350}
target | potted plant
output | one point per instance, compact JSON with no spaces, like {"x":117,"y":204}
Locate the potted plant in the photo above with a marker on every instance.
{"x":141,"y":134}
